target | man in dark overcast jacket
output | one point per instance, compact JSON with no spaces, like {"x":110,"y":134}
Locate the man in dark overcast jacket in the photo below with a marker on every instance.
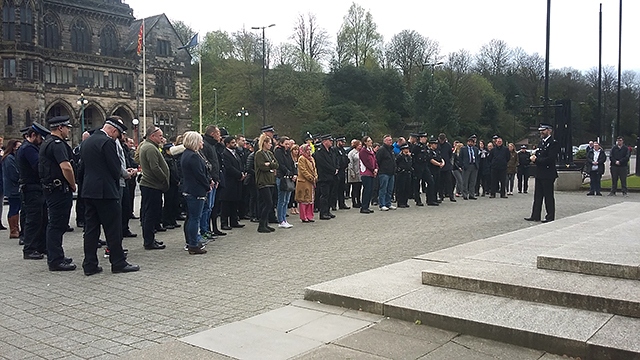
{"x":499,"y":157}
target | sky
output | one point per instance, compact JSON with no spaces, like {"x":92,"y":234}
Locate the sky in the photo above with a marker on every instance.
{"x":455,"y":24}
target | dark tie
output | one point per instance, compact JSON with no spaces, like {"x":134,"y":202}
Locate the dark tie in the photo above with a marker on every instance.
{"x":471,"y":156}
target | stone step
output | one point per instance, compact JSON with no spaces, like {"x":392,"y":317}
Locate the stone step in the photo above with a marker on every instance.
{"x":590,"y":267}
{"x":579,"y":291}
{"x":556,"y":329}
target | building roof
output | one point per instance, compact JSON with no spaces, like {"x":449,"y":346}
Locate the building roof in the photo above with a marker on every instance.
{"x":134,"y":29}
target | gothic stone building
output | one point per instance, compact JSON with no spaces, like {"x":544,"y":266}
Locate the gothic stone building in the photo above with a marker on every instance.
{"x":55,"y":51}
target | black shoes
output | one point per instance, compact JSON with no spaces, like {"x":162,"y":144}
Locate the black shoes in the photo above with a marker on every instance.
{"x":93,"y":271}
{"x":161,"y":229}
{"x":473,"y":198}
{"x":127,"y":268}
{"x":80,"y":224}
{"x":226,"y":227}
{"x":364,"y":211}
{"x":33,"y":256}
{"x":546,"y":220}
{"x":154,"y":246}
{"x":238,"y":226}
{"x":433,"y":204}
{"x":344,"y":207}
{"x":590,"y":194}
{"x":129,"y":234}
{"x":197,"y":250}
{"x":452,"y":200}
{"x":503,"y":197}
{"x":101,"y":243}
{"x":218,"y":233}
{"x":419,"y":204}
{"x":62,"y":266}
{"x":531,"y":219}
{"x":69,"y":228}
{"x":325,"y":217}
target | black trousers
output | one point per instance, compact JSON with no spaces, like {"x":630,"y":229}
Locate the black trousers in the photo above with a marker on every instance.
{"x":150,"y":213}
{"x":498,"y":181}
{"x":252,"y":189}
{"x":445,"y":184}
{"x":105,"y":212}
{"x":131,"y":187}
{"x":59,"y":203}
{"x":523,"y":179}
{"x":35,"y":222}
{"x":170,"y":210}
{"x":618,"y":172}
{"x":544,"y":192}
{"x":265,"y":202}
{"x":340,"y":185}
{"x":79,"y":206}
{"x":356,"y":193}
{"x":422,"y":173}
{"x":403,"y":187}
{"x":127,"y":210}
{"x":229,"y":212}
{"x":435,"y":173}
{"x":324,"y":194}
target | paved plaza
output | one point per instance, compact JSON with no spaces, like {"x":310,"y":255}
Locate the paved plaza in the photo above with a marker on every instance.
{"x":55,"y":315}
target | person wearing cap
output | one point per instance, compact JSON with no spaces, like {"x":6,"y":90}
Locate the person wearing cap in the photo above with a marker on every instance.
{"x":523,"y":169}
{"x":421,"y":155}
{"x":499,"y":158}
{"x":31,"y":195}
{"x":469,"y":157}
{"x":595,"y":165}
{"x":343,"y":164}
{"x":404,"y":167}
{"x":59,"y":183}
{"x":155,"y":181}
{"x":619,"y":158}
{"x":102,"y":178}
{"x":445,"y":183}
{"x":327,"y":167}
{"x":546,"y":174}
{"x":436,"y":163}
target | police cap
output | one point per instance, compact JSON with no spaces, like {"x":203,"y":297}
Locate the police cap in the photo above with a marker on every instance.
{"x":56,"y":121}
{"x":433,"y":140}
{"x":117,"y":123}
{"x":544,"y":127}
{"x":268,"y":128}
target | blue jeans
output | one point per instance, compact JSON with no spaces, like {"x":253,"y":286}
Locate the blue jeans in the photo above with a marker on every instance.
{"x":195,"y":208}
{"x":210,"y":200}
{"x":283,"y":202}
{"x":385,"y":191}
{"x":367,"y":187}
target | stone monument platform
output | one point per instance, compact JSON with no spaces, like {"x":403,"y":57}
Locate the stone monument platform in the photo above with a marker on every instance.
{"x":569,"y":287}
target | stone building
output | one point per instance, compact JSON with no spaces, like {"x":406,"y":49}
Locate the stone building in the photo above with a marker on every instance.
{"x":53,"y":52}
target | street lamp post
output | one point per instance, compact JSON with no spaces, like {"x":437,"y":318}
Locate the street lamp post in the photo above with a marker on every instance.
{"x":242,"y":113}
{"x":215,"y":105}
{"x":264,"y":65}
{"x":433,"y":66}
{"x":135,"y":123}
{"x":82,"y":102}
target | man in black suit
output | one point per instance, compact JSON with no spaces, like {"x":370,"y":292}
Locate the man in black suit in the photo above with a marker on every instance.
{"x":101,"y":191}
{"x":546,"y":174}
{"x":327,"y":166}
{"x":469,"y":156}
{"x":231,"y":194}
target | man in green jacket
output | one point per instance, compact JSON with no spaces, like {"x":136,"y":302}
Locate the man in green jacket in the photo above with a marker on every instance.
{"x":155,"y":181}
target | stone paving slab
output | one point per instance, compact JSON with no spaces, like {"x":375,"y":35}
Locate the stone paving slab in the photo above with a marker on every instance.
{"x":537,"y":326}
{"x":615,"y":296}
{"x":618,"y":337}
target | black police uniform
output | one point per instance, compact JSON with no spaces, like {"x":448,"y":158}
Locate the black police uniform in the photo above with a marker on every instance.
{"x":421,"y":159}
{"x":546,"y":174}
{"x":327,"y":167}
{"x":58,"y":194}
{"x":343,"y":162}
{"x":435,"y":170}
{"x":404,"y":168}
{"x":33,"y":205}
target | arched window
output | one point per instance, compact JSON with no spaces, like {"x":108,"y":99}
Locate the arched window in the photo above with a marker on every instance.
{"x":108,"y":42}
{"x":27,"y":117}
{"x":26,"y":23}
{"x":9,"y":116}
{"x":51,"y":32}
{"x":80,"y":37}
{"x":8,"y":21}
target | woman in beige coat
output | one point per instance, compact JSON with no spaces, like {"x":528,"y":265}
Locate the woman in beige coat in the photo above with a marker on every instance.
{"x":306,"y":183}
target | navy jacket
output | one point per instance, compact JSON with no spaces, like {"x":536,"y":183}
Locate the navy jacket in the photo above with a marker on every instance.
{"x":11,"y":177}
{"x":102,"y":168}
{"x":195,"y":180}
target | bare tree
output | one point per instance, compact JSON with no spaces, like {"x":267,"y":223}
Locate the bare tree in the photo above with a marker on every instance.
{"x":246,"y":46}
{"x":285,"y":55}
{"x":312,"y":43}
{"x":494,"y":58}
{"x":530,"y":69}
{"x":408,"y":51}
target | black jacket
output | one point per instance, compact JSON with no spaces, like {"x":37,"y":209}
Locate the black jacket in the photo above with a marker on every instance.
{"x":209,"y":151}
{"x":386,"y":160}
{"x":524,"y":159}
{"x":287,"y":166}
{"x":326,"y":164}
{"x":619,"y":154}
{"x":546,"y":156}
{"x":101,"y":169}
{"x":446,"y":151}
{"x":499,"y":157}
{"x":233,"y":171}
{"x":404,"y":164}
{"x":602,"y":158}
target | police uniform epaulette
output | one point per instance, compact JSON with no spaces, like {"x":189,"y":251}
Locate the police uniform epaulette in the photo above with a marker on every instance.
{"x":58,"y":140}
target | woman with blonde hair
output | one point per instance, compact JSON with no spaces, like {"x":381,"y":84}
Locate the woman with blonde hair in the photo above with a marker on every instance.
{"x":265,"y":165}
{"x":457,"y":167}
{"x":196,"y":185}
{"x":306,"y":183}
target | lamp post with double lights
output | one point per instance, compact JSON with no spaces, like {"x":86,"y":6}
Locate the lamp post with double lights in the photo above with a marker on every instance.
{"x":215,"y":106}
{"x":82,"y":102}
{"x":264,"y":65}
{"x":242,"y":113}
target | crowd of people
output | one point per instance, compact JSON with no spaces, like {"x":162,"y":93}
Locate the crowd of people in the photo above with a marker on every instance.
{"x":215,"y":181}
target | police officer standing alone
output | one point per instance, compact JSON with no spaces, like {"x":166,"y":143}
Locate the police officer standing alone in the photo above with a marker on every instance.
{"x":33,"y":205}
{"x":58,"y":182}
{"x":546,"y":174}
{"x":102,"y":193}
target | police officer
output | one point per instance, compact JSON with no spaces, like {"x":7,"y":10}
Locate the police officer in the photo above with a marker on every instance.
{"x":33,"y":206}
{"x":58,"y":182}
{"x":421,"y":159}
{"x":436,"y":163}
{"x":546,"y":174}
{"x":327,"y":166}
{"x":343,"y":163}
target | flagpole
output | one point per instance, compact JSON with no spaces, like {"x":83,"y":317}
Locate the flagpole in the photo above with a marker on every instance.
{"x":144,"y":79}
{"x":200,"y":85}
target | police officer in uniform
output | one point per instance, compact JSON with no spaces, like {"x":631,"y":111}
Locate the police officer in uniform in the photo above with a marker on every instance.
{"x":546,"y":174}
{"x":58,"y":182}
{"x":33,"y":206}
{"x":343,"y":163}
{"x":327,"y":166}
{"x":421,"y":155}
{"x":436,"y":163}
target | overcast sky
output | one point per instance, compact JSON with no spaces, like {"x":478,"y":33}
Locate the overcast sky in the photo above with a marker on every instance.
{"x":455,"y":24}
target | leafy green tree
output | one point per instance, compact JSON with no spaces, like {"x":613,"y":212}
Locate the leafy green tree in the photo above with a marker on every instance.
{"x":358,"y":40}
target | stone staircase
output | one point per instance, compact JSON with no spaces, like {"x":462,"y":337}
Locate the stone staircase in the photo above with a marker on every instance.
{"x":569,"y":287}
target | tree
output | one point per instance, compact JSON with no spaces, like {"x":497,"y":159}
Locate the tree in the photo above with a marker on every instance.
{"x":408,"y":51}
{"x":246,"y":47}
{"x":312,"y":43}
{"x":494,"y":58}
{"x":185,"y":33}
{"x":217,"y":45}
{"x":358,"y":39}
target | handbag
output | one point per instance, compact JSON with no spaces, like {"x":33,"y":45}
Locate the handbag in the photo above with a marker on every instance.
{"x":287,"y":184}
